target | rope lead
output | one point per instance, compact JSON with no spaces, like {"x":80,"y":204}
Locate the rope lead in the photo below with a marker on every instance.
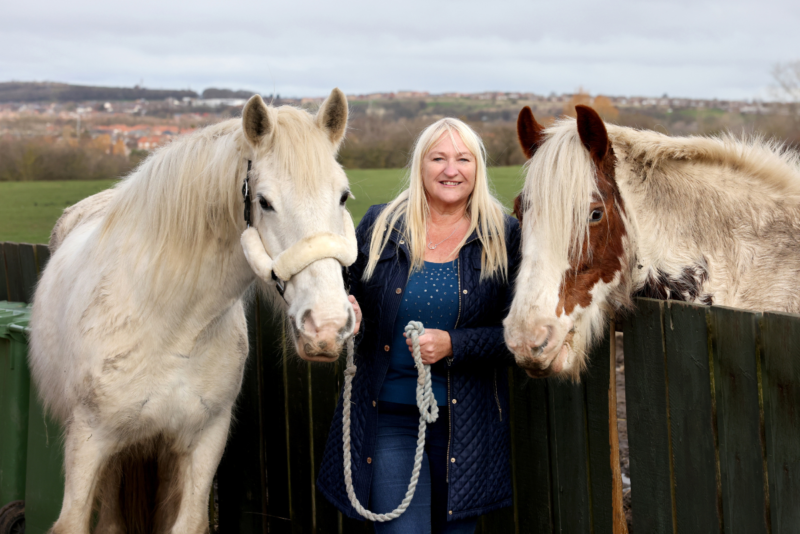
{"x":428,"y":413}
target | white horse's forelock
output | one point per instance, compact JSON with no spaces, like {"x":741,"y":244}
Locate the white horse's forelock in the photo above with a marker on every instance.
{"x":558,"y":190}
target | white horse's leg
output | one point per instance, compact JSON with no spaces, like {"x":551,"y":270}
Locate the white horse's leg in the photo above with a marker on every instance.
{"x":198,"y":474}
{"x":84,"y":456}
{"x":110,"y":520}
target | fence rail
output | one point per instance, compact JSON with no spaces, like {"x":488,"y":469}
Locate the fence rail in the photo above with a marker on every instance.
{"x":713,"y":414}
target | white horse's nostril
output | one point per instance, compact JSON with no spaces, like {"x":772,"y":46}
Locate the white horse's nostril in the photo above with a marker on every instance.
{"x":540,"y":336}
{"x":307,"y":325}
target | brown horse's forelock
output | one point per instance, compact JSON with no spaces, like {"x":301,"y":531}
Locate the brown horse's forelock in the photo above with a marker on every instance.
{"x":603,"y":252}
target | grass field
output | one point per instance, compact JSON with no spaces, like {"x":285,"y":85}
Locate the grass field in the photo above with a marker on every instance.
{"x":28,"y":210}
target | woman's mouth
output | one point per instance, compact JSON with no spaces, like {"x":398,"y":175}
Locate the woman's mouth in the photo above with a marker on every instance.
{"x":450,"y":184}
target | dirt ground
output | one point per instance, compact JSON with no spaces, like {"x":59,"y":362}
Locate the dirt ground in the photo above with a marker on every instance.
{"x":622,"y":429}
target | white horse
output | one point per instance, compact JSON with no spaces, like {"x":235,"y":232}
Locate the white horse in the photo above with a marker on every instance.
{"x":138,"y":336}
{"x":611,"y":212}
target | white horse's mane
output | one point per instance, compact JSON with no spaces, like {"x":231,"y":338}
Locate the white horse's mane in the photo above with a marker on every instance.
{"x":187,"y":196}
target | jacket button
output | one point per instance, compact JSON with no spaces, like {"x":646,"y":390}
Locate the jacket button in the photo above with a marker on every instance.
{"x":454,"y":401}
{"x":374,"y":404}
{"x":450,"y":512}
{"x":386,"y":348}
{"x":369,"y":460}
{"x":452,"y":460}
{"x":402,"y":242}
{"x":465,"y":291}
{"x":398,"y":290}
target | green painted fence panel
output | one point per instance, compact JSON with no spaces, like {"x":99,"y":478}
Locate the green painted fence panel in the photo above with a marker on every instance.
{"x":568,"y":470}
{"x":530,"y":450}
{"x":324,"y":392}
{"x":241,"y":487}
{"x":28,"y":270}
{"x":648,"y":419}
{"x":734,"y":335}
{"x":3,"y":274}
{"x":696,"y":470}
{"x":16,"y":291}
{"x":42,"y":257}
{"x":301,"y":483}
{"x":597,"y":382}
{"x":274,"y":400}
{"x":780,"y":378}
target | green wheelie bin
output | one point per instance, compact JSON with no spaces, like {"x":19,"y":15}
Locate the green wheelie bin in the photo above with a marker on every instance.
{"x":14,"y":404}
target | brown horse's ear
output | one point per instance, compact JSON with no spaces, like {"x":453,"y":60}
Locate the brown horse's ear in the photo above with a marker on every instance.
{"x":592,"y":131}
{"x":332,"y":116}
{"x":519,"y":207}
{"x":529,"y":132}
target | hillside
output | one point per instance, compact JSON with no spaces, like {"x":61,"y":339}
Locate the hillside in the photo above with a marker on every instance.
{"x":62,"y":92}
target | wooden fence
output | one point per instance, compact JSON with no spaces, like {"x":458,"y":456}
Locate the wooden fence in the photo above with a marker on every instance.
{"x":713,"y":411}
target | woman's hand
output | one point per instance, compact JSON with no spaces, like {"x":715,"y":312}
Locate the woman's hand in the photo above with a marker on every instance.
{"x":433,"y":345}
{"x":357,"y":310}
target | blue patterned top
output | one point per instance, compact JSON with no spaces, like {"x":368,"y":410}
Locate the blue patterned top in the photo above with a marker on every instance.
{"x":431,"y":297}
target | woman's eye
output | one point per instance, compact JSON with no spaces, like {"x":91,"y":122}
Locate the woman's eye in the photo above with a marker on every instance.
{"x":265,"y":205}
{"x":596,"y":216}
{"x":344,"y":198}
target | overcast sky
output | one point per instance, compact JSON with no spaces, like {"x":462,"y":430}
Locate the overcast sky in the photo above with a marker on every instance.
{"x":695,"y":48}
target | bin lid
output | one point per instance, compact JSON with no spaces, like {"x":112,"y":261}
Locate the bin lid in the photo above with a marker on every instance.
{"x":14,"y":318}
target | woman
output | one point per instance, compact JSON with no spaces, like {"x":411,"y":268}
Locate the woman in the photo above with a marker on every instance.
{"x":447,"y":260}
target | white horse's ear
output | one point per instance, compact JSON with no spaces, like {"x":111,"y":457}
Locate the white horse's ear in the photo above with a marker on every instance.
{"x":332,"y":116}
{"x":256,"y":120}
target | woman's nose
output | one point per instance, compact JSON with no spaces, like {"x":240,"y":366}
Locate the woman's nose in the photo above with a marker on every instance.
{"x":451,"y":171}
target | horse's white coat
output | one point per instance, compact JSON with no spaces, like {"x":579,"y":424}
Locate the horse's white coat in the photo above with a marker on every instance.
{"x":138,"y":329}
{"x":727,"y":208}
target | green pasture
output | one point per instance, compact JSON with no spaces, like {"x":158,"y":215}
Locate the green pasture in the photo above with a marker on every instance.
{"x":28,"y":210}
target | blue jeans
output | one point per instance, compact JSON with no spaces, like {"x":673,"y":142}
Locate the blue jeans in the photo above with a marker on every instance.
{"x":398,"y":427}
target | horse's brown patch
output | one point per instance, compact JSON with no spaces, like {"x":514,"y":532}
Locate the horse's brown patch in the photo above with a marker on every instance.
{"x":602,"y":253}
{"x":519,"y":207}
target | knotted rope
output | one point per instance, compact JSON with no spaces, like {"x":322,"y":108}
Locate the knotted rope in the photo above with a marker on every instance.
{"x":428,"y":413}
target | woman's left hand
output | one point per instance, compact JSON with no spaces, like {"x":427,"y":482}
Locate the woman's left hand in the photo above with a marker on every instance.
{"x":433,"y":345}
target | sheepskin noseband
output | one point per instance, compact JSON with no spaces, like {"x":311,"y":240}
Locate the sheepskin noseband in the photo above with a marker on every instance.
{"x":300,"y":255}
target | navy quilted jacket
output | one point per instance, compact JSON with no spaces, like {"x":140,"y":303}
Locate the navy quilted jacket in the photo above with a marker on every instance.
{"x":480,"y":477}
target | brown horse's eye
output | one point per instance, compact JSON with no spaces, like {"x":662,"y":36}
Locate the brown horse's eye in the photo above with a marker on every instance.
{"x":596,"y":216}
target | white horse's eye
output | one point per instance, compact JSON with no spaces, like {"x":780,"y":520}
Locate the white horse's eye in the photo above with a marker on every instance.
{"x":344,"y":198}
{"x":596,"y":216}
{"x":264,"y":203}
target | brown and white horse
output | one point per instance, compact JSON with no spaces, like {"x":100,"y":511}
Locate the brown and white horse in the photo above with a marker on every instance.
{"x":610,"y":212}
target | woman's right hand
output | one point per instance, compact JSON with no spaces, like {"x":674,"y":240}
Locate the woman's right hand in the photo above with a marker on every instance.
{"x":357,"y":310}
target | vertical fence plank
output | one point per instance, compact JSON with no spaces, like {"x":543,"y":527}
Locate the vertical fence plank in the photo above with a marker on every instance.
{"x":324,"y":394}
{"x":597,"y":382}
{"x":3,"y":274}
{"x":240,"y":478}
{"x":691,"y":418}
{"x":42,"y":257}
{"x":530,"y":451}
{"x":568,"y":456}
{"x":14,"y":273}
{"x":300,"y":472}
{"x":648,"y":424}
{"x":780,"y":378}
{"x":27,"y":263}
{"x":734,"y":337}
{"x":274,"y":398}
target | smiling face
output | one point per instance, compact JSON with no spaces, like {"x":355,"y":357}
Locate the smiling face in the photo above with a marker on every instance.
{"x":448,"y":172}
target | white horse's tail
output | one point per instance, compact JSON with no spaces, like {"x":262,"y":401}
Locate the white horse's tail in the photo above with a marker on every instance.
{"x":88,"y":209}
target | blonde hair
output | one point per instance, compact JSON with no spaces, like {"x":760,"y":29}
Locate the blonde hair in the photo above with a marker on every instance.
{"x":486,"y":213}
